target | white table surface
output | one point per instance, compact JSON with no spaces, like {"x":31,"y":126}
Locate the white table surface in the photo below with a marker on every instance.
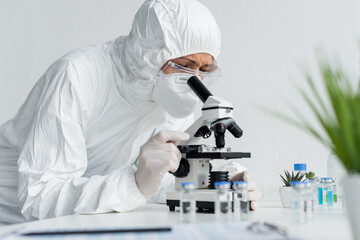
{"x":327,"y":223}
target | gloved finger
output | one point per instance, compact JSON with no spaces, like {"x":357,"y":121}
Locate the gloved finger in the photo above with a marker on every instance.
{"x":236,"y":177}
{"x":254,"y":205}
{"x":255,"y":195}
{"x":154,"y":158}
{"x":246,"y":176}
{"x":164,"y":147}
{"x":242,"y":176}
{"x":170,"y":136}
{"x":170,"y":166}
{"x":251,"y":185}
{"x":171,"y":147}
{"x":169,"y":161}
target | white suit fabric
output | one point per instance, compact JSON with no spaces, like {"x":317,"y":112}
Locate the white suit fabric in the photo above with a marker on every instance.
{"x":73,"y":145}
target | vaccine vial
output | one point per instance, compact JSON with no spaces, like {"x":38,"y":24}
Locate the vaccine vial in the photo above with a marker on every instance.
{"x":298,"y":201}
{"x":327,"y":189}
{"x":336,"y":170}
{"x":223,"y":201}
{"x":309,"y":200}
{"x":335,"y":194}
{"x":241,"y":200}
{"x":187,"y":202}
{"x":315,"y":184}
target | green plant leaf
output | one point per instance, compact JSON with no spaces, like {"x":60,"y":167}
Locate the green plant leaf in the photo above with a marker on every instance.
{"x":339,"y":118}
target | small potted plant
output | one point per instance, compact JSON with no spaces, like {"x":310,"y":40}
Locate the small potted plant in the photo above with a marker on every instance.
{"x":286,"y":190}
{"x":310,"y":175}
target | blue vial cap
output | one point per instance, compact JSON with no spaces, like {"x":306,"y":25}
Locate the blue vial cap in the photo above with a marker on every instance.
{"x":300,"y":166}
{"x":327,"y":178}
{"x":240,"y":182}
{"x":222,"y":183}
{"x":183,"y":184}
{"x":292,"y":183}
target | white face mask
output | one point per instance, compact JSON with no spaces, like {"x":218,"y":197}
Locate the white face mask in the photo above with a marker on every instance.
{"x":173,"y":94}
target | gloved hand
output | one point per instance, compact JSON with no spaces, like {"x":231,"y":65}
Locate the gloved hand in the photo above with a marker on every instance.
{"x":254,"y":193}
{"x":158,"y":156}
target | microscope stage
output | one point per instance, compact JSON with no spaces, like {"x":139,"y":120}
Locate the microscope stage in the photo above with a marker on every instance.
{"x":218,"y":155}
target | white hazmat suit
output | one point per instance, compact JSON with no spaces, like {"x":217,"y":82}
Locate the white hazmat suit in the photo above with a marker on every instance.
{"x":73,"y":146}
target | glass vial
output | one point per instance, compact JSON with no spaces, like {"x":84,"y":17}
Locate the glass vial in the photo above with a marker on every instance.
{"x":309,"y":199}
{"x":187,"y":202}
{"x":328,"y":197}
{"x":315,"y":184}
{"x":336,"y":170}
{"x":223,"y":201}
{"x":241,"y":200}
{"x":298,"y":201}
{"x":335,"y":193}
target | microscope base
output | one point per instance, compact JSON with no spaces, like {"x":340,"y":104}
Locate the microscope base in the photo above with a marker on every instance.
{"x":205,"y":199}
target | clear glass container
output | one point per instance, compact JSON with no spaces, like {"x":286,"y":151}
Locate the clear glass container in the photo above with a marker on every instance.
{"x":327,"y":191}
{"x":309,"y":199}
{"x":223,"y":201}
{"x":241,"y":200}
{"x":336,"y":170}
{"x":298,"y":201}
{"x":187,"y":202}
{"x":315,"y":184}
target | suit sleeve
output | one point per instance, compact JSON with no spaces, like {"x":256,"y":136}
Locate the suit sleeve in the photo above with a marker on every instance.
{"x":53,"y":159}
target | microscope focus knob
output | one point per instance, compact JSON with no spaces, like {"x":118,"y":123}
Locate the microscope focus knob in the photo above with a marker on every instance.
{"x":183,"y":170}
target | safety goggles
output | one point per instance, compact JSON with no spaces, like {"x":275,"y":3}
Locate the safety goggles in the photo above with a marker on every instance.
{"x":211,"y":75}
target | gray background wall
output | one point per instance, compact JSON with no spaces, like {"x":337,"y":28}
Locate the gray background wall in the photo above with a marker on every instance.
{"x":265,"y":45}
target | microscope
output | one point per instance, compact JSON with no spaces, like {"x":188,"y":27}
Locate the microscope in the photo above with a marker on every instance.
{"x":216,"y":118}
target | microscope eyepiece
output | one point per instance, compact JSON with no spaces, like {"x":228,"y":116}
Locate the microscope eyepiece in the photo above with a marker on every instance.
{"x":199,"y":88}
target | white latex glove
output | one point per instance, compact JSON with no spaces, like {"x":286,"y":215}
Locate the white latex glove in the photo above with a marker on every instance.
{"x":254,"y":193}
{"x":158,"y":156}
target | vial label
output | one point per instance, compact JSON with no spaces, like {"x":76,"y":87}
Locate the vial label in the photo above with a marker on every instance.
{"x":329,"y":198}
{"x":309,"y":208}
{"x":224,"y":207}
{"x":295,"y":204}
{"x":186,"y":207}
{"x":320,"y":194}
{"x":244,"y":205}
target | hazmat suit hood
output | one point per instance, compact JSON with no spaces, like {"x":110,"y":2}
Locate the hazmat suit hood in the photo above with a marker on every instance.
{"x":161,"y":30}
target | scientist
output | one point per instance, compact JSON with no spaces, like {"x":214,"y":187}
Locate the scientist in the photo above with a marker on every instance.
{"x":98,"y":131}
